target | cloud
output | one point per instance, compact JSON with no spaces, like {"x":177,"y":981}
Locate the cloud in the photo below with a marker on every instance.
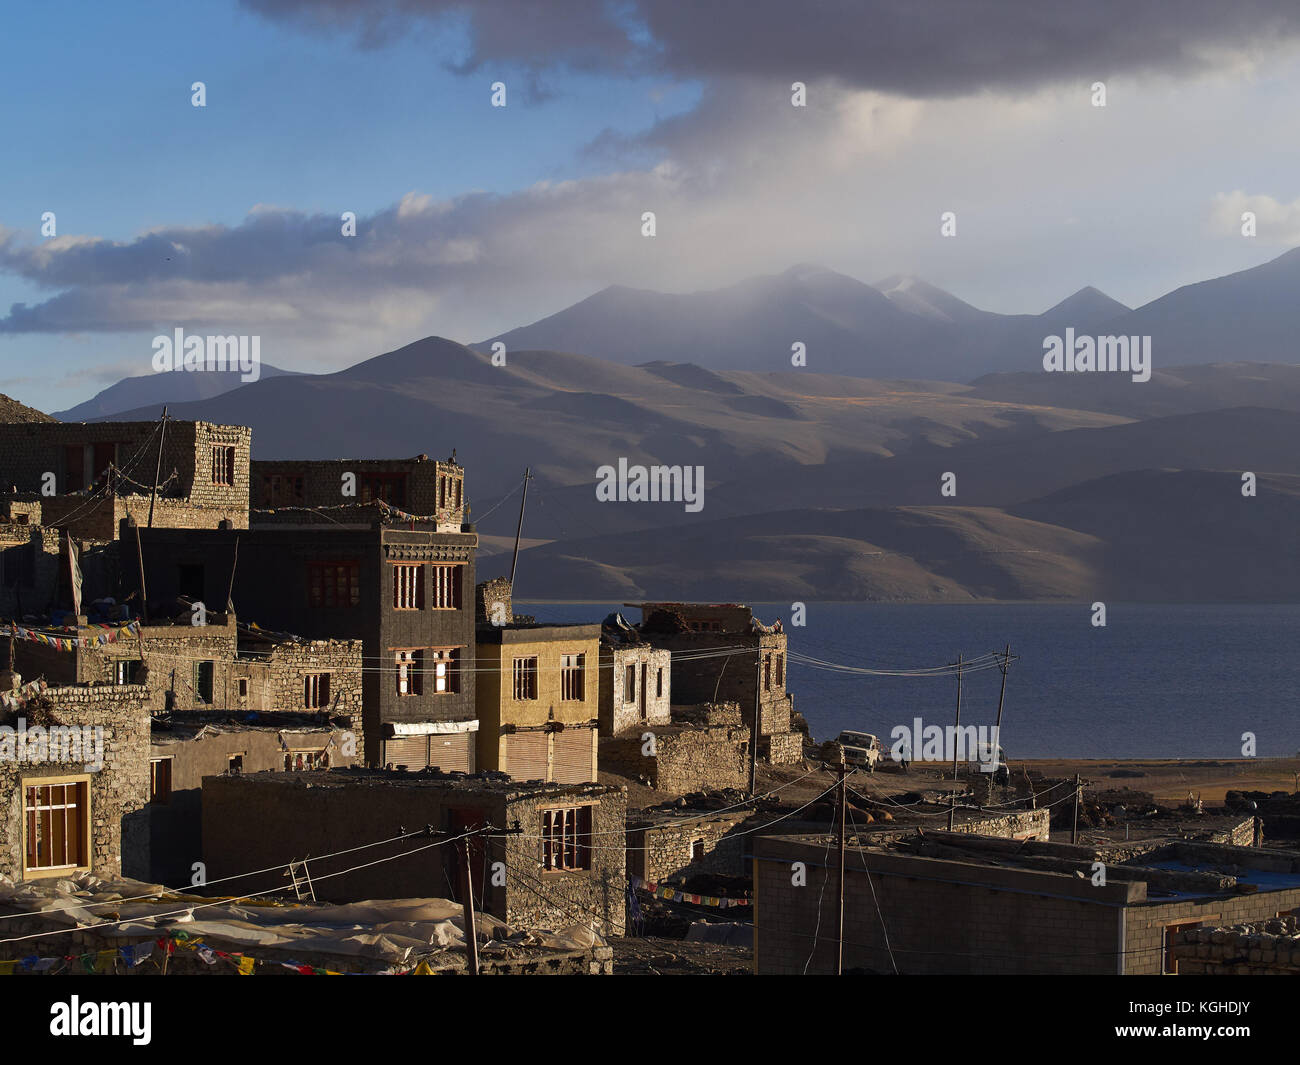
{"x":939,"y":48}
{"x":1276,"y":223}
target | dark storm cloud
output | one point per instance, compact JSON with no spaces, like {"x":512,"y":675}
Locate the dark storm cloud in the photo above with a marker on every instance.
{"x":922,"y":48}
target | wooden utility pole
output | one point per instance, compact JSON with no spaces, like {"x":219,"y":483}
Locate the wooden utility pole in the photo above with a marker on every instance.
{"x":758,"y":715}
{"x":528,"y":476}
{"x":471,"y":926}
{"x":844,"y":805}
{"x":1074,"y":831}
{"x":1004,"y":665}
{"x":144,"y":592}
{"x":956,"y":744}
{"x":157,"y":470}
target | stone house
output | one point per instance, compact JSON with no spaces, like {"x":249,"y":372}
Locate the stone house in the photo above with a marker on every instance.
{"x":538,"y":700}
{"x":560,"y":846}
{"x":748,"y":668}
{"x":968,"y":904}
{"x":635,"y":684}
{"x":77,"y":806}
{"x":417,"y":486}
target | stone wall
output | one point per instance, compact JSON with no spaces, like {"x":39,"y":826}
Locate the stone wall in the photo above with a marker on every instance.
{"x":304,"y":814}
{"x":119,"y":791}
{"x":1259,"y":949}
{"x":687,"y":846}
{"x":621,"y":706}
{"x":682,"y":758}
{"x":417,"y":485}
{"x":29,"y":569}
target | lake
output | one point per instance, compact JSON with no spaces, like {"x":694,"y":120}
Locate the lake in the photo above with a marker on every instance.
{"x":1157,"y":681}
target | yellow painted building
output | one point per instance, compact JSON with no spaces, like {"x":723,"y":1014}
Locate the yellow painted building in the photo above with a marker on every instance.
{"x":538,"y":700}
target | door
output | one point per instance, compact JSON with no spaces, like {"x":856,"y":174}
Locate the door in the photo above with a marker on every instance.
{"x":461,"y":819}
{"x":644,"y":673}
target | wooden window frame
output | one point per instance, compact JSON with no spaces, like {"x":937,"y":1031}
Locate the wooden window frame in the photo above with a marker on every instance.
{"x":573,"y":677}
{"x":223,"y":465}
{"x":315,"y":691}
{"x":85,"y":820}
{"x":408,"y":586}
{"x":331,"y":580}
{"x":566,"y":838}
{"x":410,"y":672}
{"x":447,"y":583}
{"x":160,"y":784}
{"x":524,"y":677}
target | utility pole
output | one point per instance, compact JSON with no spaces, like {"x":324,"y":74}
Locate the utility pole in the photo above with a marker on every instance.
{"x":157,"y":470}
{"x":956,"y":743}
{"x":528,"y":475}
{"x":144,"y":592}
{"x":1074,"y":832}
{"x":758,"y":715}
{"x":1004,"y":665}
{"x":844,"y":804}
{"x":471,"y":926}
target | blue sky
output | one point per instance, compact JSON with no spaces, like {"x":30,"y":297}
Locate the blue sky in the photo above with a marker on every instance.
{"x":476,"y":219}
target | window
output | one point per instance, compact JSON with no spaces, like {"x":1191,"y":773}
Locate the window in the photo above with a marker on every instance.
{"x":659,"y":683}
{"x":57,"y":816}
{"x":282,"y":490}
{"x":235,"y":764}
{"x":223,"y":465}
{"x":410,"y":672}
{"x":315,"y":690}
{"x":408,"y":587}
{"x":333,"y":584}
{"x":1171,"y":939}
{"x":629,"y":685}
{"x":571,"y":677}
{"x":301,"y":761}
{"x":780,"y":671}
{"x":697,"y":850}
{"x":767,"y":673}
{"x":243,"y":687}
{"x":160,"y":780}
{"x":445,"y":671}
{"x":203,"y":681}
{"x":390,"y":488}
{"x":566,"y":838}
{"x":446,"y":587}
{"x":125,"y":670}
{"x":525,"y":674}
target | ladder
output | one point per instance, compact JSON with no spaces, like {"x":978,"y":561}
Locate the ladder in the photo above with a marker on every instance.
{"x":301,"y":880}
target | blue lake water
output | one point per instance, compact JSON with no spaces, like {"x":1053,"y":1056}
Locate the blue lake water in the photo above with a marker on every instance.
{"x":1156,"y":682}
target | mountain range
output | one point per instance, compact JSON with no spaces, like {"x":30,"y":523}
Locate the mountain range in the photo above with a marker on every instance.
{"x":825,"y":484}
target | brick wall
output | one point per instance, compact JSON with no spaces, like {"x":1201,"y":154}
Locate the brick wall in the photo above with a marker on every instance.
{"x":119,"y":791}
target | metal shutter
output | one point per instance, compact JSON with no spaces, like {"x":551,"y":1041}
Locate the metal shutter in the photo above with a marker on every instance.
{"x":410,"y":751}
{"x":526,"y":755}
{"x":573,"y":756}
{"x":454,"y":751}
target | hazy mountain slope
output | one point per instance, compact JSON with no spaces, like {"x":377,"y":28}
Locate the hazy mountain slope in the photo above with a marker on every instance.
{"x":159,"y":389}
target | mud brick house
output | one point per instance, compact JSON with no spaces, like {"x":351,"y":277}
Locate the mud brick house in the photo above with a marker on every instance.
{"x":187,"y":746}
{"x":749,"y":666}
{"x":418,"y":485}
{"x":538,"y":700}
{"x":635,"y":679}
{"x":60,"y":814}
{"x":404,"y":593}
{"x":563,"y":859}
{"x":956,"y":903}
{"x":57,"y":474}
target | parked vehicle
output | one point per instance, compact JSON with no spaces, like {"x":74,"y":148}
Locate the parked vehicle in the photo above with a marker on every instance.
{"x":861,"y":748}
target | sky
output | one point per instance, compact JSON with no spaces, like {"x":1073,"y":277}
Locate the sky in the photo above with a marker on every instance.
{"x":473,"y":219}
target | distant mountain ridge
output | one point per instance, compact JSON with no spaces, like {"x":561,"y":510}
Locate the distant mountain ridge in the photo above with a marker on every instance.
{"x":176,"y":386}
{"x":905,"y":327}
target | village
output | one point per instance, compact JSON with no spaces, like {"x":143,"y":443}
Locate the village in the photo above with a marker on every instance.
{"x":322,"y":745}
